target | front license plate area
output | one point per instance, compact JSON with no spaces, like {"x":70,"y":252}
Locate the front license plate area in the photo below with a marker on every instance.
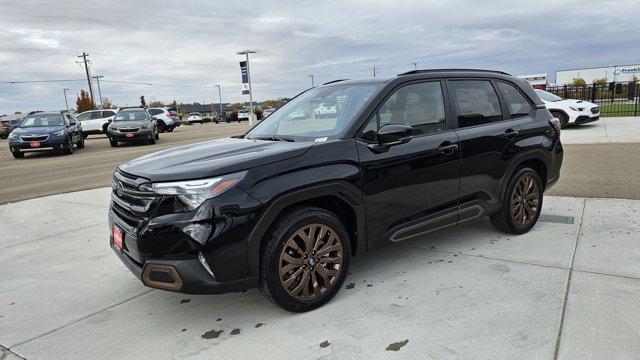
{"x":118,"y":238}
{"x":35,"y":144}
{"x":128,"y":134}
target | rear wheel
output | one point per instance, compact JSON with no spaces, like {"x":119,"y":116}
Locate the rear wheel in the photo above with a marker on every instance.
{"x":522,"y":203}
{"x":17,"y":155}
{"x":304,"y":262}
{"x":81,"y":141}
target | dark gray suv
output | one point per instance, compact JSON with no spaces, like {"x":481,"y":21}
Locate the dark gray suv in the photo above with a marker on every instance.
{"x":133,"y":124}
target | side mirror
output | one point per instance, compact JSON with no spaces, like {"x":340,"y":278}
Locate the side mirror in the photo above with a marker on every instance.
{"x":394,"y":134}
{"x":72,"y":123}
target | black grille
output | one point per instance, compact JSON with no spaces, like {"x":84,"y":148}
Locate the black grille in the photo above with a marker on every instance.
{"x":128,"y":129}
{"x":595,"y":110}
{"x":128,"y":201}
{"x":34,"y":137}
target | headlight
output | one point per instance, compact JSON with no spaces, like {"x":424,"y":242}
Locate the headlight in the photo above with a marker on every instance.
{"x":145,"y":126}
{"x":58,"y":133}
{"x":13,"y":136}
{"x":194,"y":192}
{"x":575,"y":108}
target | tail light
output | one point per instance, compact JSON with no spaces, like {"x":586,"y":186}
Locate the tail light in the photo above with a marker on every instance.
{"x":555,"y":124}
{"x":169,"y":115}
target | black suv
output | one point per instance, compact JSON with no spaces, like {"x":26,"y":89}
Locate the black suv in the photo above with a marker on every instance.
{"x":286,"y":205}
{"x":46,"y":131}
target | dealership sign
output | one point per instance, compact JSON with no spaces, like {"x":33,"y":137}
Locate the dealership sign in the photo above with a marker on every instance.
{"x":627,"y":70}
{"x":245,"y":77}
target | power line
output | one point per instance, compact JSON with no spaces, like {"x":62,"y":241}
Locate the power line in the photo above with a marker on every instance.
{"x":38,"y":81}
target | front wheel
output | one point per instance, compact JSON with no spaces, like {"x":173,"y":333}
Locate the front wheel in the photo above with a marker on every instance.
{"x":522,"y":203}
{"x":113,"y":142}
{"x":564,"y":119}
{"x":17,"y":155}
{"x":157,"y":135}
{"x":305,"y":260}
{"x":69,"y":149}
{"x":81,"y":141}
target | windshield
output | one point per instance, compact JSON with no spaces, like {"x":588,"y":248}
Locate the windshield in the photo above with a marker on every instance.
{"x":131,"y":115}
{"x":316,"y":113}
{"x":547,"y":96}
{"x":38,"y":120}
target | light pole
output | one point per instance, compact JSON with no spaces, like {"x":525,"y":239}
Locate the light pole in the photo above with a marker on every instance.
{"x":99,"y":92}
{"x":246,"y":53}
{"x":312,"y":83}
{"x":66,"y":103}
{"x":415,"y":65}
{"x":220,"y":96}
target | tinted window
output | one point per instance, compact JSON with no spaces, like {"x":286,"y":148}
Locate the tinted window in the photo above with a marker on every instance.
{"x":475,"y":102}
{"x":155,"y":111}
{"x":96,"y":115}
{"x":517,"y":103}
{"x":106,"y":114}
{"x":131,"y":115}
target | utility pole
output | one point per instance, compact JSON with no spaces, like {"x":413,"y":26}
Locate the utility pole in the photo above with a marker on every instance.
{"x":99,"y":92}
{"x":374,"y":71}
{"x":246,"y":53}
{"x":415,"y":65}
{"x":312,"y":83}
{"x":86,"y":69}
{"x":65,"y":98}
{"x":220,"y":97}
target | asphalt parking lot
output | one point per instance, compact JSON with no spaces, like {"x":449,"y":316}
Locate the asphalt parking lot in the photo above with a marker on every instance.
{"x":609,"y":148}
{"x":569,"y":289}
{"x":89,"y":168}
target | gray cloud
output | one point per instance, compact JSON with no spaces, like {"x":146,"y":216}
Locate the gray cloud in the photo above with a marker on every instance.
{"x":194,"y":43}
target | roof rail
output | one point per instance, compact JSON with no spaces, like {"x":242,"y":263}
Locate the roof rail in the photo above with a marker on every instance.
{"x":335,"y":81}
{"x":450,"y":70}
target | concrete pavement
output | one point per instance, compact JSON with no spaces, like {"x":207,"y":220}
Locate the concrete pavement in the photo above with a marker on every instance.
{"x":568,"y":289}
{"x":618,"y":130}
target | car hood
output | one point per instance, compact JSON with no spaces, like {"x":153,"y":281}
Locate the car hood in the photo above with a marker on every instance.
{"x":212,"y":158}
{"x":572,"y":102}
{"x":40,"y":130}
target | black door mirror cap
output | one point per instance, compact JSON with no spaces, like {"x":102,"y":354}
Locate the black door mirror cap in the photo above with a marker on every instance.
{"x":394,"y":134}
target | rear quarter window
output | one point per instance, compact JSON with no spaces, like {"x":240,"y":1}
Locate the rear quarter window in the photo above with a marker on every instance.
{"x":516,"y":102}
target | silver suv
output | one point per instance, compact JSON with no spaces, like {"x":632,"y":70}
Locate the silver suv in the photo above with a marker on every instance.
{"x":168,"y":118}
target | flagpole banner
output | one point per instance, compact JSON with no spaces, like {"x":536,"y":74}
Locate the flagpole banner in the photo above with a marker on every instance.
{"x":245,"y":78}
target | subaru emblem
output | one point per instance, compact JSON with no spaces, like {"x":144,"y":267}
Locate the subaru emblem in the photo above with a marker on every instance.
{"x":119,"y":188}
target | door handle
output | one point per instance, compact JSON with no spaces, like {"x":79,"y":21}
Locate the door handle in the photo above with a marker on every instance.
{"x":511,"y":134}
{"x":447,"y":148}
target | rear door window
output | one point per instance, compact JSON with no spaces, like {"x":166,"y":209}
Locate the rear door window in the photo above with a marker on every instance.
{"x":475,"y":102}
{"x":96,"y":115}
{"x":155,"y":111}
{"x":106,"y":114}
{"x":516,"y":102}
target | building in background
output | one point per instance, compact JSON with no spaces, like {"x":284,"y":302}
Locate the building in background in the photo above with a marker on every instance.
{"x":538,"y":81}
{"x":614,"y":73}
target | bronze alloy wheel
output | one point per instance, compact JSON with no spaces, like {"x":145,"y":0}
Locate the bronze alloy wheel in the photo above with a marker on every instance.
{"x":525,"y":201}
{"x":310,"y":261}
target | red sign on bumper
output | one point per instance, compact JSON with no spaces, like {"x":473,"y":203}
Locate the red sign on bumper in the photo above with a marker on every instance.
{"x":117,"y":237}
{"x":35,"y":144}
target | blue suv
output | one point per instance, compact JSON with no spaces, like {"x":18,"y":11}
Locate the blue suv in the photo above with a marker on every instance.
{"x":46,"y":131}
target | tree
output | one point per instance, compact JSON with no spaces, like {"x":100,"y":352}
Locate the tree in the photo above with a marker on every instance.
{"x":258,"y":113}
{"x":578,"y":82}
{"x":156,"y":103}
{"x":108,"y":104}
{"x":602,"y":81}
{"x":142,"y":102}
{"x":17,"y":113}
{"x":84,"y":102}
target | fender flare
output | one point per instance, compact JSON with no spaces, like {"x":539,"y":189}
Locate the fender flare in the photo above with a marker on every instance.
{"x":346,"y":192}
{"x":515,"y":162}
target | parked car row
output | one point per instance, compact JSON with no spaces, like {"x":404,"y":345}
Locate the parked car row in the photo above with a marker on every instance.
{"x":41,"y":131}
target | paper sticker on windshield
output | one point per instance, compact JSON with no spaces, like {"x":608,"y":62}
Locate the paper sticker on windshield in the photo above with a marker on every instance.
{"x":322,"y":139}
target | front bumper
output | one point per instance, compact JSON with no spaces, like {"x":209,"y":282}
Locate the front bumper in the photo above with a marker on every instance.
{"x":46,"y":145}
{"x":583,"y":119}
{"x":137,"y":136}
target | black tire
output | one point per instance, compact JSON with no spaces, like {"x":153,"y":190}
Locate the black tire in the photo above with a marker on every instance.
{"x":105,"y":129}
{"x":564,"y":119}
{"x":80,"y":144}
{"x":84,"y":136}
{"x":285,"y":227}
{"x":113,"y":143}
{"x":505,"y":219}
{"x":170,"y":129}
{"x":17,"y":155}
{"x":157,"y":135}
{"x":69,"y":149}
{"x":162,"y":127}
{"x":152,"y":139}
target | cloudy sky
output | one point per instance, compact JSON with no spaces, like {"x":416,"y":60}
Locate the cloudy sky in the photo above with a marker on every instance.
{"x":185,"y":47}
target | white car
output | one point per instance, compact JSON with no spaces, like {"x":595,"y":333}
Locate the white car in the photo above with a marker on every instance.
{"x":267,"y":112}
{"x":243,"y":115}
{"x":194,"y":117}
{"x":324,"y":110}
{"x":96,"y":121}
{"x":569,"y":111}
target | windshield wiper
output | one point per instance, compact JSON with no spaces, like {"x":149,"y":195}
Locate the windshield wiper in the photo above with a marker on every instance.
{"x":273,"y":138}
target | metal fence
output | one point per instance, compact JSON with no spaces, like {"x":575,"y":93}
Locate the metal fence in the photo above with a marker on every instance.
{"x":614,"y":99}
